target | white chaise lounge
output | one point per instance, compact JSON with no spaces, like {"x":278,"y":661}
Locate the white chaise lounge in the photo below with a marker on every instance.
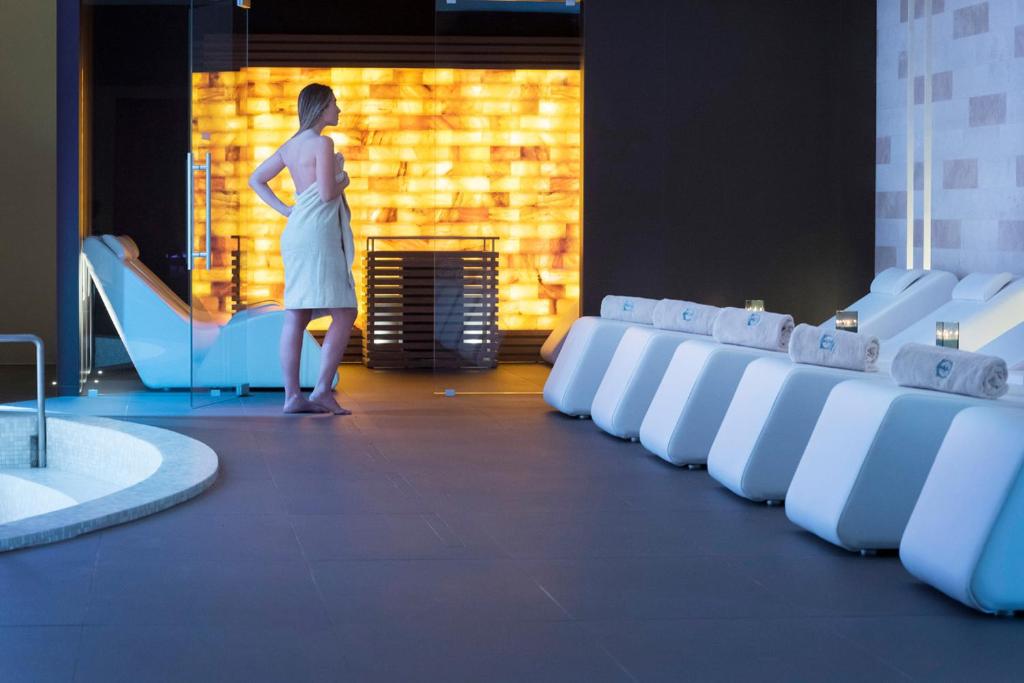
{"x":699,"y":384}
{"x":777,"y":403}
{"x":965,"y":536}
{"x":870,"y":452}
{"x":582,"y":361}
{"x":153,"y":323}
{"x":897,"y":298}
{"x":632,"y":377}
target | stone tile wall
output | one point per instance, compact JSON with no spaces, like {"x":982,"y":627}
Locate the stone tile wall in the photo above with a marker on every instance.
{"x":977,"y":71}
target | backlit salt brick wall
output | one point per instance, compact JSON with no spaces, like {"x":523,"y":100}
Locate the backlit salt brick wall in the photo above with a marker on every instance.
{"x":430,"y":152}
{"x":978,"y":134}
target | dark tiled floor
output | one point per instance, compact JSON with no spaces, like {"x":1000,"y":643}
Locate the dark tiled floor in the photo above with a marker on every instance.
{"x":476,"y":538}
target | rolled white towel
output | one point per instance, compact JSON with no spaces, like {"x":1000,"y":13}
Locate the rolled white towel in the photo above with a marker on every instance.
{"x":950,"y":370}
{"x":759,"y":329}
{"x":685,"y":316}
{"x":834,"y":348}
{"x":632,"y":309}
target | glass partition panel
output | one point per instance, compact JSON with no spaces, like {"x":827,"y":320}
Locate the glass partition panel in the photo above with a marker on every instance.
{"x":220,"y":309}
{"x":508,"y":144}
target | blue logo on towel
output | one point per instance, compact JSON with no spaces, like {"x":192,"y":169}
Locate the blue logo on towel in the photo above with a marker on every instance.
{"x":687,"y":314}
{"x":943,"y":369}
{"x":827,"y":342}
{"x":754,"y":319}
{"x":627,"y":305}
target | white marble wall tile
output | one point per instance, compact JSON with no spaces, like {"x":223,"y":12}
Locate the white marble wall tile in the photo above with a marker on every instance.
{"x":889,"y":233}
{"x":977,"y":135}
{"x":971,"y":20}
{"x":1011,"y":236}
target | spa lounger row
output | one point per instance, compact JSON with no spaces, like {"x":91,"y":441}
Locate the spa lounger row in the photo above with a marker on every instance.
{"x":848,"y":450}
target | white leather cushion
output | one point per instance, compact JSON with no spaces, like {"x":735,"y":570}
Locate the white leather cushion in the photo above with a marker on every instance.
{"x":122,"y":245}
{"x":893,"y":281}
{"x":980,"y":286}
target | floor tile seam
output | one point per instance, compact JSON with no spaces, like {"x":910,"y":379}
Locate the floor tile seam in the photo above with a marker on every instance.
{"x":634,"y":556}
{"x":401,"y":558}
{"x":615,"y":660}
{"x":89,"y":596}
{"x":418,"y":496}
{"x":666,"y":619}
{"x":596,"y":641}
{"x":78,"y":652}
{"x":418,"y":560}
{"x":42,"y":624}
{"x":819,"y":612}
{"x":321,"y":599}
{"x":885,"y":661}
{"x":521,"y":571}
{"x":410,"y":515}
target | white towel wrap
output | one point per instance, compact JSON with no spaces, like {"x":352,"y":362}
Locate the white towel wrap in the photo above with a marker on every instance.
{"x":759,"y":329}
{"x":834,"y":348}
{"x":685,"y":316}
{"x":632,"y":309}
{"x":950,"y":370}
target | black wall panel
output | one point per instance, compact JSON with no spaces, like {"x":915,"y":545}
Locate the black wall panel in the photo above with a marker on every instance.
{"x":729,"y":152}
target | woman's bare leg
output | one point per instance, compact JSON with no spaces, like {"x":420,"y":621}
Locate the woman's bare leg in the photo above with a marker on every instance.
{"x":295,"y":321}
{"x":333,"y":349}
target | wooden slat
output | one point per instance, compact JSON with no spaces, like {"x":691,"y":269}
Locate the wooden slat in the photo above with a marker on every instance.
{"x":407,"y":292}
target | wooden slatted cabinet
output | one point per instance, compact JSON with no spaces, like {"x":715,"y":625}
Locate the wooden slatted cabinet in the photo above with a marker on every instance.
{"x":431,"y":308}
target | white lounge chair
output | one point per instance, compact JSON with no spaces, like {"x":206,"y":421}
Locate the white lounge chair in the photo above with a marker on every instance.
{"x":153,"y":323}
{"x":897,"y":298}
{"x":632,"y":377}
{"x":868,"y":458}
{"x":585,"y":354}
{"x":552,"y":346}
{"x":870,"y":452}
{"x":965,"y":535}
{"x":687,"y":410}
{"x":777,"y":403}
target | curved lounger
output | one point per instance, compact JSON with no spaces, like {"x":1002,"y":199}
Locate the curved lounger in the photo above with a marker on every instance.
{"x":965,"y":536}
{"x":867,"y":460}
{"x":582,"y":362}
{"x":898,"y":298}
{"x":552,"y":346}
{"x":692,"y":398}
{"x":633,"y":375}
{"x":777,"y":403}
{"x":164,"y":336}
{"x":893,"y":303}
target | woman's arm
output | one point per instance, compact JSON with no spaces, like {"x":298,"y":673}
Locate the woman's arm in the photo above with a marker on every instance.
{"x":263,"y":174}
{"x":326,"y":167}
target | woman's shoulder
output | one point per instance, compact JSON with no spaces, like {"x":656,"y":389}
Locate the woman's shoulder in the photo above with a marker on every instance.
{"x":322,"y":141}
{"x":304,"y":146}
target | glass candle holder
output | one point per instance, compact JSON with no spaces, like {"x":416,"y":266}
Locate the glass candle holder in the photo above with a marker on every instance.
{"x":947,"y":335}
{"x":755,"y":305}
{"x":847,"y":320}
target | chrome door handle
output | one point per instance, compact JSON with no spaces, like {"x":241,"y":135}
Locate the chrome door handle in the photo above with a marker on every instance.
{"x":190,"y":217}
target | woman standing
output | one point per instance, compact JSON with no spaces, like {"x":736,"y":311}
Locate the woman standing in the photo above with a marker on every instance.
{"x":316,"y":246}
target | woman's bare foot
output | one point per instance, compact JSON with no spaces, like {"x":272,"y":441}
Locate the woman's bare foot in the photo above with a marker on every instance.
{"x":325,"y":399}
{"x":300,"y":404}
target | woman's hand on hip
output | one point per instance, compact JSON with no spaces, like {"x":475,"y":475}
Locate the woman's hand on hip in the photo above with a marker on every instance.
{"x":345,"y":180}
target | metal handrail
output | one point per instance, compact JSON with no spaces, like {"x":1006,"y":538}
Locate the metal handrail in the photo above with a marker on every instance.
{"x":40,"y":391}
